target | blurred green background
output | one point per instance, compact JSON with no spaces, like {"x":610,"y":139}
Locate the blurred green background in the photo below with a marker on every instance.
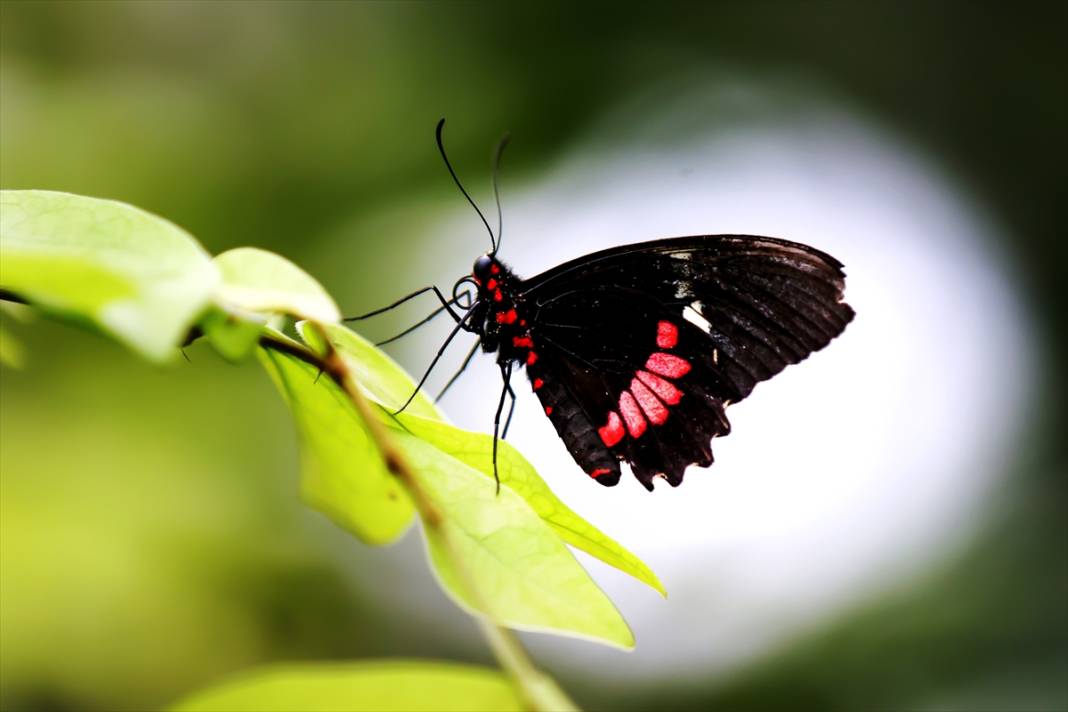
{"x":152,"y":540}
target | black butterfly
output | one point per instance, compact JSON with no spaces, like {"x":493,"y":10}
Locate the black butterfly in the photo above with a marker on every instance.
{"x":636,"y":351}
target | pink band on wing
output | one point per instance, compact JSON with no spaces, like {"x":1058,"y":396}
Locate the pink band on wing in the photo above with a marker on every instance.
{"x":667,"y":365}
{"x":667,"y":335}
{"x":654,"y":410}
{"x":663,"y":389}
{"x":632,"y":415}
{"x":612,"y":432}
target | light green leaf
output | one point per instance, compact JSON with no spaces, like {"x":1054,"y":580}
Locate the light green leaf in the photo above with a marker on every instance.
{"x":134,"y":275}
{"x":523,"y":570}
{"x":232,"y":335}
{"x":389,"y":385}
{"x":386,"y":686}
{"x":476,"y":450}
{"x":522,"y":574}
{"x":255,"y":280}
{"x":384,"y":381}
{"x":342,"y":474}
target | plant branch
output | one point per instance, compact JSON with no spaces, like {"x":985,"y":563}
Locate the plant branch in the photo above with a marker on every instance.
{"x":539,"y":691}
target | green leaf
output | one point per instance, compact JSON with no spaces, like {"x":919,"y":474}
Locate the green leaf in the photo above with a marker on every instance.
{"x":342,"y":474}
{"x":380,"y":377}
{"x":255,"y":280}
{"x":232,"y":335}
{"x":129,"y":273}
{"x":522,"y":573}
{"x":476,"y":451}
{"x":388,"y":384}
{"x":258,"y":289}
{"x":394,"y":686}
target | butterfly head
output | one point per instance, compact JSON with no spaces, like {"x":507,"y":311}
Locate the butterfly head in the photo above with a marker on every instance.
{"x":486,"y":267}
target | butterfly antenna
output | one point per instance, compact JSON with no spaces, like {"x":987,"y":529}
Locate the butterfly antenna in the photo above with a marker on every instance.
{"x":441,"y":149}
{"x":496,"y":191}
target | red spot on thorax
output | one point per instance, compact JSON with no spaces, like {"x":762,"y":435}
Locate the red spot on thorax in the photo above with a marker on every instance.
{"x":492,"y":284}
{"x":612,"y":431}
{"x":521,"y":342}
{"x":664,"y":390}
{"x":495,"y":269}
{"x":506,"y":317}
{"x":538,"y":383}
{"x":667,"y":365}
{"x":531,"y":358}
{"x":632,"y":415}
{"x":548,"y":410}
{"x":497,"y":296}
{"x":667,"y":335}
{"x":652,"y":407}
{"x":600,"y":471}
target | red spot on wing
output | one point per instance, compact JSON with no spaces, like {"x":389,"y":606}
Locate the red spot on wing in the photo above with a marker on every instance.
{"x":548,"y":410}
{"x":522,"y":342}
{"x":654,"y":410}
{"x":531,"y":358}
{"x":664,"y":390}
{"x":612,"y":431}
{"x":538,"y":383}
{"x":506,"y":317}
{"x":632,"y":415}
{"x":497,"y":296}
{"x":522,"y":322}
{"x":667,"y":335}
{"x":600,"y":471}
{"x":667,"y":365}
{"x":492,"y":284}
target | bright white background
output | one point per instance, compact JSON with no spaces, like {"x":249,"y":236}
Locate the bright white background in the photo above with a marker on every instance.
{"x":843,"y":476}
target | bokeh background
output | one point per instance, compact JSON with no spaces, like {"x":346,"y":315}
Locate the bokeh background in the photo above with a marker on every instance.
{"x":886,"y":527}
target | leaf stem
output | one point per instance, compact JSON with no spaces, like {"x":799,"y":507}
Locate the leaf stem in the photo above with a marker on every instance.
{"x":539,"y":691}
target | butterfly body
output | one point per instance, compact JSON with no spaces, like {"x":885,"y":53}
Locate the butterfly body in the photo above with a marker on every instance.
{"x":635,"y":352}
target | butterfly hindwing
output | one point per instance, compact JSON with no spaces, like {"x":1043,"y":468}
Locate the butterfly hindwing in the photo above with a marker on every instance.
{"x":635,"y":382}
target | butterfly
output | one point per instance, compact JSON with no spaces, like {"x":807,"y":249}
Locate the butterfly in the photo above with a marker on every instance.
{"x":635,"y":352}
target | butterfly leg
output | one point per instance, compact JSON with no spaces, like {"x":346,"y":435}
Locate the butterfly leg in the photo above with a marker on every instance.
{"x":415,"y":326}
{"x":445,"y":303}
{"x":511,"y":411}
{"x":456,"y":330}
{"x":506,"y":374}
{"x":463,"y":367}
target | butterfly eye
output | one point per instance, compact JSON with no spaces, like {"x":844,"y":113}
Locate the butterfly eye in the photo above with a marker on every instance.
{"x":483,"y":268}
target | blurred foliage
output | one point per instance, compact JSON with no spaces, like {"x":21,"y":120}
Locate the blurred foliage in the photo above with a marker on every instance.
{"x":398,"y":686}
{"x":137,"y":512}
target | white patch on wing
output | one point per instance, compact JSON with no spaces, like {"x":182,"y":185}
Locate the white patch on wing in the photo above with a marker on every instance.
{"x":692,"y":314}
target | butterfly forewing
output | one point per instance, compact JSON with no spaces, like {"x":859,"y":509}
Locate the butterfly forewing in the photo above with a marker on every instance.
{"x":640,"y":348}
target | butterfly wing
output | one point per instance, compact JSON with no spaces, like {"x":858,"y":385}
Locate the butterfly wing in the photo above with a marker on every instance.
{"x":642,"y":347}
